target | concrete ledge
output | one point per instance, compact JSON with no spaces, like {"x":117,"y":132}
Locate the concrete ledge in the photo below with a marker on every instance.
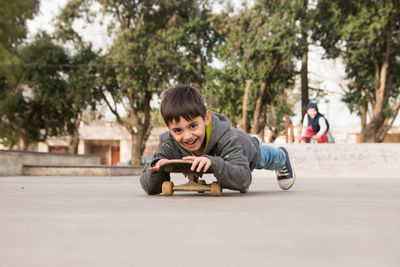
{"x":11,"y":162}
{"x":346,"y":160}
{"x":310,"y":160}
{"x":51,"y":170}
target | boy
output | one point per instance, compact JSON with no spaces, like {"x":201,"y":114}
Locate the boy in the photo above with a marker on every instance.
{"x":206,"y":138}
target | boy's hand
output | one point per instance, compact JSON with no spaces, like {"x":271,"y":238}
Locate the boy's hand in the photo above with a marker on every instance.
{"x":199,"y":163}
{"x":156,"y":167}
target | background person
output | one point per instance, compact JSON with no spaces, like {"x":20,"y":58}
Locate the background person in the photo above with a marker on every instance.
{"x":315,"y":126}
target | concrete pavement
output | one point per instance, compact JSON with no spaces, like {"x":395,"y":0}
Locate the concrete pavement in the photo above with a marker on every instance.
{"x":109,"y":221}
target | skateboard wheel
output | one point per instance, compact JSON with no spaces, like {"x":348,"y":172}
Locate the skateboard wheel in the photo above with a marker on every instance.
{"x":168,"y":188}
{"x":244,"y":191}
{"x":216,"y":189}
{"x":202,"y":182}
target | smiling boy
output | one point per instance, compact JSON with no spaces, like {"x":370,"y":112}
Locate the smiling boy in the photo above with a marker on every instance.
{"x":205,"y":137}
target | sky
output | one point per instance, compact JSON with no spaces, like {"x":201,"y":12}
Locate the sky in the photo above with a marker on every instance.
{"x":329,"y":72}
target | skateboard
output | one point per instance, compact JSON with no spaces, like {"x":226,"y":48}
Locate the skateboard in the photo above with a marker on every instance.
{"x":194,"y":184}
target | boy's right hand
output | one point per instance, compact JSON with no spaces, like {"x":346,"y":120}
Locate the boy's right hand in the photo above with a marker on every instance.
{"x":156,"y":167}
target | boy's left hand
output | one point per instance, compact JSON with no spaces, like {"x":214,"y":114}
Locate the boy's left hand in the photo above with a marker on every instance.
{"x":199,"y":163}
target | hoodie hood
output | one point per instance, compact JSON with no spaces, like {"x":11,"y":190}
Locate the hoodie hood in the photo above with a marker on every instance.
{"x":312,"y":105}
{"x":219,"y":126}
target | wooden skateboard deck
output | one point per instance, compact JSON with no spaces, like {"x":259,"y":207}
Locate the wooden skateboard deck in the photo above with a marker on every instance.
{"x":194,"y":184}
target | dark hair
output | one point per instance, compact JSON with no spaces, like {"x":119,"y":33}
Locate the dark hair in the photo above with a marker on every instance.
{"x":182,"y":101}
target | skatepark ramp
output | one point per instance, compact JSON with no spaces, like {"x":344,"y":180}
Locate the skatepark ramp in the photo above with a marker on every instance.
{"x":346,"y":160}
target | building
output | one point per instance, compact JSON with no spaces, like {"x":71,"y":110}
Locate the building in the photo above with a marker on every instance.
{"x":106,"y":139}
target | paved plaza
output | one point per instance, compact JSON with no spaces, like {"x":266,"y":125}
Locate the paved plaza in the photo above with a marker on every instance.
{"x":109,"y":221}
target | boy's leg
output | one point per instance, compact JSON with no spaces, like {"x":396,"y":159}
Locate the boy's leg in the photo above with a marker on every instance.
{"x":278,"y":159}
{"x":272,"y":158}
{"x":309,"y":133}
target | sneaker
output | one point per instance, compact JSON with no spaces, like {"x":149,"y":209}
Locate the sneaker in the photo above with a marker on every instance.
{"x":257,"y":138}
{"x":286,"y":175}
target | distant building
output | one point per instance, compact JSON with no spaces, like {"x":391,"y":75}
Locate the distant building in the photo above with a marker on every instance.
{"x":108,"y":140}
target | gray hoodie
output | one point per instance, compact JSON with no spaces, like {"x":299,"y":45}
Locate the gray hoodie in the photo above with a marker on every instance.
{"x":233,"y":155}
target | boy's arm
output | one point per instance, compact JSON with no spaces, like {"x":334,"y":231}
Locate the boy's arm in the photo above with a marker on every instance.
{"x":151,"y":180}
{"x":231,"y":168}
{"x":323,"y":127}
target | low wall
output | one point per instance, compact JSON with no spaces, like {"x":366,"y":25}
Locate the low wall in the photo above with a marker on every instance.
{"x":346,"y":160}
{"x":310,"y":160}
{"x":42,"y":170}
{"x":11,"y":162}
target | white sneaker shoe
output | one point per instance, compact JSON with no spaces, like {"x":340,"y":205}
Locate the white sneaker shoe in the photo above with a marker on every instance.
{"x":286,"y":175}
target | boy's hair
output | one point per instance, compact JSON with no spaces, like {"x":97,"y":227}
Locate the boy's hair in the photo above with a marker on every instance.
{"x":182,"y":101}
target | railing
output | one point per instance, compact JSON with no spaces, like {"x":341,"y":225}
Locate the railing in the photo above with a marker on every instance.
{"x":289,"y":133}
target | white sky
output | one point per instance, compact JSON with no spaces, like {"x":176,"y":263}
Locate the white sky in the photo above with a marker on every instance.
{"x":329,"y":72}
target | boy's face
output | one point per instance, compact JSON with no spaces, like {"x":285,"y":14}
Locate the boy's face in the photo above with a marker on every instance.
{"x":312,"y":112}
{"x":191,"y":134}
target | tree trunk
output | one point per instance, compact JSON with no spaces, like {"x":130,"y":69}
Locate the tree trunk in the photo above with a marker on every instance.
{"x":243,"y":123}
{"x":74,"y":141}
{"x":304,"y":63}
{"x":258,"y":108}
{"x":274,"y":131}
{"x":11,"y":144}
{"x":23,"y":143}
{"x":304,"y":83}
{"x":140,"y":128}
{"x":198,"y":44}
{"x":263,"y":122}
{"x":363,"y":110}
{"x":272,"y":136}
{"x":136,"y":149}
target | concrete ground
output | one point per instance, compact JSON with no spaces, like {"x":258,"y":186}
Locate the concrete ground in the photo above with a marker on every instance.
{"x":109,"y":221}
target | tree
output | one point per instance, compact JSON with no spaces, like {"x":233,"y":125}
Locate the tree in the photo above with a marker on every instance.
{"x":49,"y":96}
{"x":366,"y":34}
{"x":12,"y":31}
{"x":259,"y":48}
{"x":154,"y":42}
{"x":199,"y":36}
{"x":33,"y":108}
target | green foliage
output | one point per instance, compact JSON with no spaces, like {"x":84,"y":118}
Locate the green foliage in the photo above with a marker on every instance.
{"x":49,"y":94}
{"x":259,"y":45}
{"x":13,"y":16}
{"x":155,"y":43}
{"x":13,"y":20}
{"x":366,"y":34}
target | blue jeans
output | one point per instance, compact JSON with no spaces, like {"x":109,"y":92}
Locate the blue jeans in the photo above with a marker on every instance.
{"x":272,"y":158}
